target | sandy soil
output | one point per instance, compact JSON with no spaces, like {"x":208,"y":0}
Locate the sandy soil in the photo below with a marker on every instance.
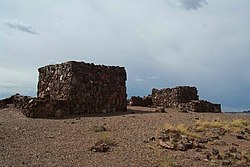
{"x":66,"y":142}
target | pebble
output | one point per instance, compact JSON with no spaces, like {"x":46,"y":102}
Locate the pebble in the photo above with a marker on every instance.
{"x":181,"y":147}
{"x":151,"y":139}
{"x":241,"y":137}
{"x":161,"y":110}
{"x":198,"y":150}
{"x":215,"y":151}
{"x":100,"y":146}
{"x":233,"y":150}
{"x":234,"y":144}
{"x":219,"y":157}
{"x":197,"y":158}
{"x":238,"y":156}
{"x":226,"y":162}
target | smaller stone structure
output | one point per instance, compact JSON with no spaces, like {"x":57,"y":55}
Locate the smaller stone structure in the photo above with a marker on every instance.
{"x":200,"y":106}
{"x":183,"y":98}
{"x":145,"y":101}
{"x":172,"y":97}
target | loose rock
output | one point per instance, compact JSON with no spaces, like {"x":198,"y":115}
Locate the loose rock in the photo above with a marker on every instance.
{"x":161,"y":110}
{"x":167,"y":145}
{"x":99,"y":128}
{"x":226,"y":162}
{"x":215,"y":151}
{"x":181,"y":147}
{"x":100,"y":146}
{"x":242,"y":137}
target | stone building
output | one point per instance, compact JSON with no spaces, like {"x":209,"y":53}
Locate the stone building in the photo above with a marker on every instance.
{"x":172,"y":97}
{"x":183,"y":98}
{"x":75,"y":88}
{"x":88,"y":88}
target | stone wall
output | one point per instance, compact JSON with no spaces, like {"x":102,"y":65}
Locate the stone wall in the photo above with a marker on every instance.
{"x":183,"y":98}
{"x":140,"y":101}
{"x":172,"y":97}
{"x":5,"y":102}
{"x":40,"y":107}
{"x":200,"y":106}
{"x":87,"y":88}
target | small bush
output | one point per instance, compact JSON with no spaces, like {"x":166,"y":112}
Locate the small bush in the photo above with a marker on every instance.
{"x":106,"y":139}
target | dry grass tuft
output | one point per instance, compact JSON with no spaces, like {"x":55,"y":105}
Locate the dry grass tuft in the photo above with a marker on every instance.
{"x":169,"y":162}
{"x":106,"y":139}
{"x":184,"y":130}
{"x":236,"y":125}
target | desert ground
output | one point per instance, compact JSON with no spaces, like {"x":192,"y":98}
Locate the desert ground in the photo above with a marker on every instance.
{"x":133,"y":138}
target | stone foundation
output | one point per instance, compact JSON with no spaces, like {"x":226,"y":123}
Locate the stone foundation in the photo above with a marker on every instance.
{"x":41,"y":108}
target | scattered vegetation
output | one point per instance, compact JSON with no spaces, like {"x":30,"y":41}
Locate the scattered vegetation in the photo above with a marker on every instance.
{"x":184,"y":130}
{"x":169,"y":162}
{"x":236,"y":125}
{"x":246,"y":155}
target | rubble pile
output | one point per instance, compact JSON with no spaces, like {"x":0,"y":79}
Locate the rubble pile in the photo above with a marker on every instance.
{"x":175,"y":140}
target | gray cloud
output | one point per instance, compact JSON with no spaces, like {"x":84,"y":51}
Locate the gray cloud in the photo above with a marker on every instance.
{"x":152,"y":77}
{"x":7,"y":85}
{"x":140,"y":79}
{"x":20,"y":26}
{"x":193,"y":4}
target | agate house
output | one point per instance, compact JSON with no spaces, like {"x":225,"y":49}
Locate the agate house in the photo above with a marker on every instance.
{"x":86,"y":87}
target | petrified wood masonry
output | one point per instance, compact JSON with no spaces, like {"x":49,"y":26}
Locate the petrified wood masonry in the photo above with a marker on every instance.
{"x":172,"y":97}
{"x":87,"y":88}
{"x":140,"y":101}
{"x":183,"y":98}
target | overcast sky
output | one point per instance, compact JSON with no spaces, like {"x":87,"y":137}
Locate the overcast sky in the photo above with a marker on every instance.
{"x":162,"y":43}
